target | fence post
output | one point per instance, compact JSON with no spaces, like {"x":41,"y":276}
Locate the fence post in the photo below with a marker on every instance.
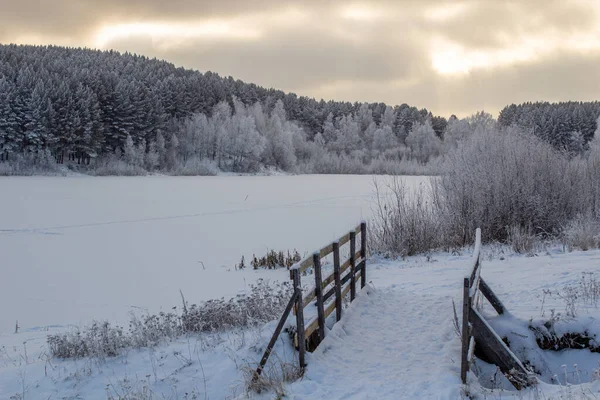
{"x":338,"y":280}
{"x":352,"y":265}
{"x":319,"y":295}
{"x":271,"y":344}
{"x":299,"y":317}
{"x":466,"y":334}
{"x":363,"y":253}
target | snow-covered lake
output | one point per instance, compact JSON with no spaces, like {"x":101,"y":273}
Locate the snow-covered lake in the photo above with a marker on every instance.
{"x":73,"y":249}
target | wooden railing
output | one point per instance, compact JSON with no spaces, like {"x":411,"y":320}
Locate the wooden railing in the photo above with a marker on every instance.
{"x":477,"y":332}
{"x":327,"y":294}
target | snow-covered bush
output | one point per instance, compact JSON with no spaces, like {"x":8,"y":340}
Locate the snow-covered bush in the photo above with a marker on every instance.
{"x":114,"y":166}
{"x":273,"y":378}
{"x":29,"y":163}
{"x":265,"y":302}
{"x":583,"y":232}
{"x":99,"y":340}
{"x":513,"y":185}
{"x":405,"y":222}
{"x":506,"y":179}
{"x":521,"y":239}
{"x":196,"y":167}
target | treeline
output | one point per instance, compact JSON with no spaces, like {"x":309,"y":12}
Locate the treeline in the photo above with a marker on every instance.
{"x":567,"y":125}
{"x":103,"y":112}
{"x":85,"y":105}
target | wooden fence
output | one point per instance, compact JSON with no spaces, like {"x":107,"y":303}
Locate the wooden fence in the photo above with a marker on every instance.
{"x":476,"y":331}
{"x":327,"y":294}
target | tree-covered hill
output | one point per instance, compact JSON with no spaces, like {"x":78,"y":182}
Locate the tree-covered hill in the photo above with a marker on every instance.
{"x":125,"y":113}
{"x":85,"y":103}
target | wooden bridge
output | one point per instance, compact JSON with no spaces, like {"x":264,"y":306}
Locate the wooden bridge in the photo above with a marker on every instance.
{"x":327,"y":294}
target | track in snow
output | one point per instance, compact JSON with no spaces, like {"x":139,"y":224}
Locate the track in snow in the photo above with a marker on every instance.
{"x":392,"y":344}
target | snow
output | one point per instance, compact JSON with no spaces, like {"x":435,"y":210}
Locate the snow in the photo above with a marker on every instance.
{"x":396,"y":341}
{"x":80,"y":248}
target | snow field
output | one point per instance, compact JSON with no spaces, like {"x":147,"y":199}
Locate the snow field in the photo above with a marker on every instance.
{"x":76,"y":249}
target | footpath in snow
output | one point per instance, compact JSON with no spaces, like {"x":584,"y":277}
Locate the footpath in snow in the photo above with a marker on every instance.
{"x":391,"y":344}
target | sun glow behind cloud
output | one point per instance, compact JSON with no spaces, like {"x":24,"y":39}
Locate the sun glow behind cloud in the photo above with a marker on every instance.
{"x":167,"y":34}
{"x":446,"y":11}
{"x":451,"y":58}
{"x":360,"y":12}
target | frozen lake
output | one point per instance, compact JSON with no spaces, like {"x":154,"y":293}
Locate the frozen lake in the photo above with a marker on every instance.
{"x":73,"y":249}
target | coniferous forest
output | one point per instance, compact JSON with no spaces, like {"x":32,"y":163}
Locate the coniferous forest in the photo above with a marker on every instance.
{"x":104,"y":112}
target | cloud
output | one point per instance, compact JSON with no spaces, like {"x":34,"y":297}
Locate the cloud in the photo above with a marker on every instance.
{"x":448,"y":56}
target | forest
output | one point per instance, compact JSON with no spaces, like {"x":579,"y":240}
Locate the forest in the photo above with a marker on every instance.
{"x":107,"y":113}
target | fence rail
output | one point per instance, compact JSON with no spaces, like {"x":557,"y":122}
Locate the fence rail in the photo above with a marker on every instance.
{"x":341,"y":281}
{"x":477,"y":332}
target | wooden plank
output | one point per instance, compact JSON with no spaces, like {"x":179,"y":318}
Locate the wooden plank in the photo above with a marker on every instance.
{"x":302,"y":265}
{"x":338,"y":283}
{"x":313,"y":324}
{"x":319,"y":294}
{"x":329,"y":309}
{"x":476,"y":255}
{"x":310,"y":295}
{"x":352,"y":265}
{"x":275,"y":336}
{"x":491,"y":296}
{"x":346,"y":290}
{"x":358,"y":259}
{"x":299,"y":318}
{"x":471,"y":350}
{"x":464,"y":362}
{"x":308,"y":261}
{"x":474,"y":290}
{"x":344,"y":239}
{"x":343,"y":280}
{"x":325,"y":251}
{"x":346,"y":263}
{"x":498,"y":352}
{"x":363,"y":253}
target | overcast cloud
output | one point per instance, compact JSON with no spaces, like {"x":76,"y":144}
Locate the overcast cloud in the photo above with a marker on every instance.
{"x":448,"y":56}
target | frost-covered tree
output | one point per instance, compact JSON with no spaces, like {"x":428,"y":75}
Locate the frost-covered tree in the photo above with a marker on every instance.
{"x":279,"y":151}
{"x":457,"y":130}
{"x":243,"y":144}
{"x":423,"y":142}
{"x":95,"y":107}
{"x":384,"y":139}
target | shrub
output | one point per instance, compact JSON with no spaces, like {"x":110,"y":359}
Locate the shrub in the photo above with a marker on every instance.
{"x":272,"y":260}
{"x":406,"y":221}
{"x":113,"y":166}
{"x":511,"y":184}
{"x":98,"y":340}
{"x":583,"y":232}
{"x":29,"y":163}
{"x":196,"y":167}
{"x":265,"y":302}
{"x":506,"y":179}
{"x":272,"y":378}
{"x":522,"y":240}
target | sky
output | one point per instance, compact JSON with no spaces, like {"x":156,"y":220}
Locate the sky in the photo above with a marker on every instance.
{"x":449,"y":56}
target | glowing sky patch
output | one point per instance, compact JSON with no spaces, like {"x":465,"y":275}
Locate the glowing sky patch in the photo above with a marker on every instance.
{"x":449,"y":57}
{"x":164,"y":32}
{"x":361,"y":12}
